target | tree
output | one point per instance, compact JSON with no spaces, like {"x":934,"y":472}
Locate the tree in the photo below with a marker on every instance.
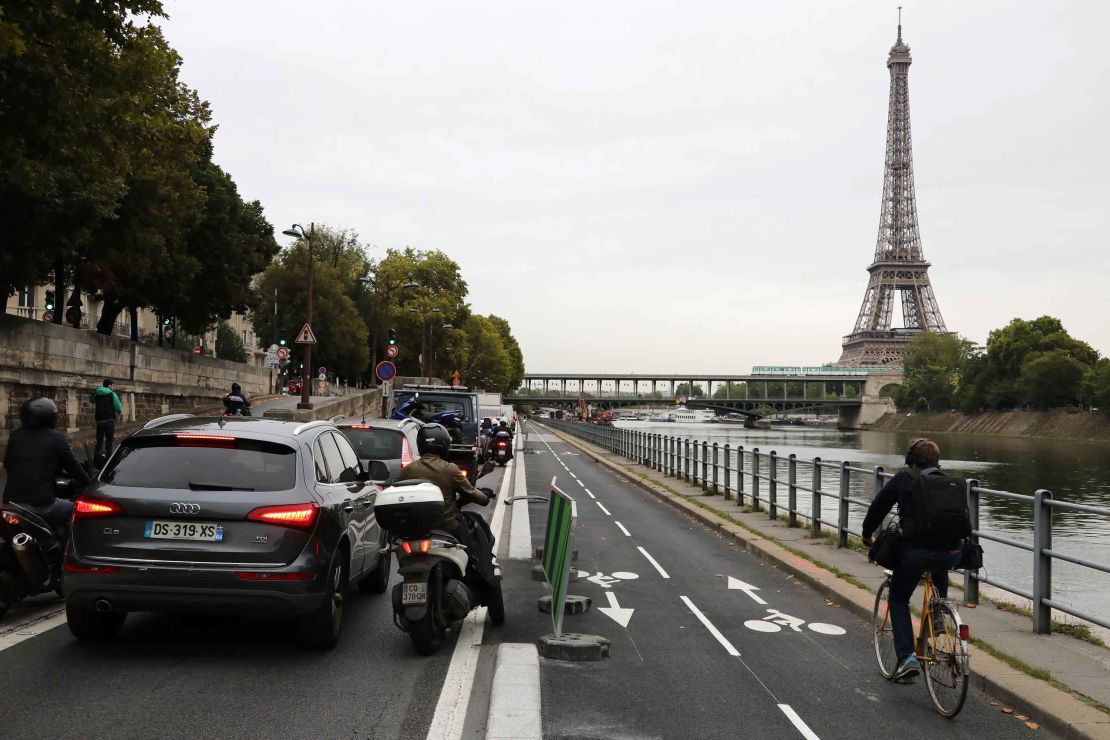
{"x":228,"y":344}
{"x":484,"y":360}
{"x":932,"y":365}
{"x":683,"y":390}
{"x":516,"y":357}
{"x":1051,"y":379}
{"x":729,"y":390}
{"x":1096,"y":386}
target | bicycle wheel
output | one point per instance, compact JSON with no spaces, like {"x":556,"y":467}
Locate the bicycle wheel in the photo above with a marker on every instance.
{"x":884,"y":632}
{"x":946,"y":662}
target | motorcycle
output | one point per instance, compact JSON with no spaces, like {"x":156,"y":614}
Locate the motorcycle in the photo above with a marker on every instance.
{"x":501,"y":449}
{"x":440,"y":583}
{"x":30,"y":551}
{"x":236,"y":406}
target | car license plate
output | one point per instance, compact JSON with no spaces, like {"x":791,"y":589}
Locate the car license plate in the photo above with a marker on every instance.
{"x":414,"y":593}
{"x":196,"y":531}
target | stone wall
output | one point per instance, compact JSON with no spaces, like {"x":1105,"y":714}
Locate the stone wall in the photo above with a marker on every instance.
{"x":65,"y":364}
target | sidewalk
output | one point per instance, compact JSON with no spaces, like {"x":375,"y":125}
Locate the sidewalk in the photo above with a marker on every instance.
{"x":1077,"y":672}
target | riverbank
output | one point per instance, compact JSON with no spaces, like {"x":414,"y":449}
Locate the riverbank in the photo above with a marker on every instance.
{"x":1042,"y":424}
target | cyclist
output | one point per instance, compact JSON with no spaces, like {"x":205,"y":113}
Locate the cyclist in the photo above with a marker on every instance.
{"x":916,"y":556}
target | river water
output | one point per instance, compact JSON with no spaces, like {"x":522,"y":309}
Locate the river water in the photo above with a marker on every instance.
{"x":1071,"y":470}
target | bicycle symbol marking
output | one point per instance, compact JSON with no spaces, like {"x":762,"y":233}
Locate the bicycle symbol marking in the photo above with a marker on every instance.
{"x":776,"y":620}
{"x":607,"y":581}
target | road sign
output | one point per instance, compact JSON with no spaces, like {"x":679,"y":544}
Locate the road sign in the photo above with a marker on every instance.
{"x":272,"y":359}
{"x":322,"y":370}
{"x":197,"y":350}
{"x":283,"y":353}
{"x":392,"y":350}
{"x":456,"y":378}
{"x":48,"y":316}
{"x":385,"y":370}
{"x":558,"y":549}
{"x":305,"y":335}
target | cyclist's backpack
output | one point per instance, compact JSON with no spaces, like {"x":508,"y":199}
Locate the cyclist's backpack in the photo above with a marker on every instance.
{"x":940,"y":513}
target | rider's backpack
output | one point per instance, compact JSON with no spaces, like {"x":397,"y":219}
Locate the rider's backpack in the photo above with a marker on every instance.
{"x":940,"y":513}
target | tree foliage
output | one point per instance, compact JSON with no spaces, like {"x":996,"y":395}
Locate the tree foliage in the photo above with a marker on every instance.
{"x":229,"y":346}
{"x":933,"y":363}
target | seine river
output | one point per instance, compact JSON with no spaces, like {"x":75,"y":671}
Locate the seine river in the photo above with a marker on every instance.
{"x":1072,"y":471}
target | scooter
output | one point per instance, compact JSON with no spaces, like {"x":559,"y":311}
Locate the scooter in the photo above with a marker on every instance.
{"x":501,"y":449}
{"x":236,"y":406}
{"x":30,"y":551}
{"x":439,"y":584}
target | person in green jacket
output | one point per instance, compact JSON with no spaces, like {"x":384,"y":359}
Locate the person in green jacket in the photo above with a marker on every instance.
{"x":106,"y":408}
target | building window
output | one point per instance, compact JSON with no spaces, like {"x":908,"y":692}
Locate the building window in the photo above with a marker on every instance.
{"x":26,"y":297}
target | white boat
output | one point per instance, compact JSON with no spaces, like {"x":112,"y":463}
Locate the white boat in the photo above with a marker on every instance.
{"x":683,"y":415}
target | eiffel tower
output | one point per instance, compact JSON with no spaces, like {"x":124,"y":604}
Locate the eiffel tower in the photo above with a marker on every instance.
{"x":899,"y":264}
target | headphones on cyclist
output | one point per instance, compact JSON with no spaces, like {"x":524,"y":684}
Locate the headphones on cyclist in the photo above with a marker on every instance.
{"x":909,"y":452}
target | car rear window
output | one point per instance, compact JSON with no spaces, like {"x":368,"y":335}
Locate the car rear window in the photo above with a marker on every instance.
{"x":431,"y":405}
{"x":203,"y":464}
{"x":375,"y":444}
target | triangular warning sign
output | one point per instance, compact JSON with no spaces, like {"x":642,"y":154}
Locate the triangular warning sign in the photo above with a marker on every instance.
{"x":306,"y":336}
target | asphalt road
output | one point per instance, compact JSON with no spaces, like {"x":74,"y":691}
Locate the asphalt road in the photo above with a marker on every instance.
{"x":669,"y":675}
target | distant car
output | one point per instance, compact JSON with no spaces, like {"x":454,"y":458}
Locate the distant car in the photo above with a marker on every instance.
{"x":293,"y":388}
{"x":234,"y":515}
{"x":388,"y":440}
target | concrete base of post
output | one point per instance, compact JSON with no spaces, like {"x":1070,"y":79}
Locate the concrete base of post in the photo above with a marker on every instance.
{"x":571,"y":604}
{"x":538,"y":574}
{"x":574,"y":646}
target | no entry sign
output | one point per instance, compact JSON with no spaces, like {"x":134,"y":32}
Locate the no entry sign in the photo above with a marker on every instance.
{"x":385,"y":371}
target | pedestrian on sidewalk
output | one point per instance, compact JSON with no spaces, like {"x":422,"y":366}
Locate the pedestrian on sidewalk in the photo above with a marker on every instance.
{"x":106,"y":408}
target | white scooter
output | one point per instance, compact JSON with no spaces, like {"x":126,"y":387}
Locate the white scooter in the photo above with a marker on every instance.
{"x":437,"y":589}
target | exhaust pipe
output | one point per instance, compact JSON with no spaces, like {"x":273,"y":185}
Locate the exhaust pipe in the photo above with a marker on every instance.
{"x":103,"y":606}
{"x":31,"y":559}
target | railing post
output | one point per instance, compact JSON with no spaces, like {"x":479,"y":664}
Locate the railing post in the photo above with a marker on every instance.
{"x":704,"y":466}
{"x":740,"y":475}
{"x":792,"y":490}
{"x":815,"y":502}
{"x":728,"y":471}
{"x":1042,"y":564}
{"x":670,"y":455}
{"x":842,"y":514}
{"x":971,"y":578}
{"x":755,"y":479}
{"x":773,"y":485}
{"x":878,"y":479}
{"x":686,"y":459}
{"x":694,"y":461}
{"x":716,"y":488}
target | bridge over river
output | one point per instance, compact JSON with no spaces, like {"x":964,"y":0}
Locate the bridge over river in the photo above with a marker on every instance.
{"x":855,"y":393}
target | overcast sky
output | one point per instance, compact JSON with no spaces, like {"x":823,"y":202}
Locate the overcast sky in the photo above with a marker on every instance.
{"x":667,"y":186}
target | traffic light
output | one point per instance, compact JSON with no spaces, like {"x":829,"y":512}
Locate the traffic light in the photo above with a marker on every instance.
{"x":165,"y":322}
{"x":281,"y":342}
{"x":49,"y":300}
{"x":392,"y":337}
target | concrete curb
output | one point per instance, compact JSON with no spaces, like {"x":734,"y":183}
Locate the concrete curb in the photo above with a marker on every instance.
{"x":515,"y":703}
{"x":1057,"y":710}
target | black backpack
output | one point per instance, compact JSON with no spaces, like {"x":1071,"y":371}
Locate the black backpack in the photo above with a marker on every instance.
{"x":940,"y":513}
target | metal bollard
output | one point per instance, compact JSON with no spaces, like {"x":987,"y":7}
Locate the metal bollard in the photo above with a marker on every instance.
{"x":1042,"y":564}
{"x":705,"y":466}
{"x":792,"y":490}
{"x":716,"y":489}
{"x":842,"y":514}
{"x":773,"y":485}
{"x":728,"y":471}
{"x":971,"y":578}
{"x":815,"y":502}
{"x":755,"y":479}
{"x":740,"y":475}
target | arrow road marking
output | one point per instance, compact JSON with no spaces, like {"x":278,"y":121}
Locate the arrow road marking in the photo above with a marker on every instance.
{"x":619,"y":615}
{"x":621,"y":527}
{"x":734,"y":584}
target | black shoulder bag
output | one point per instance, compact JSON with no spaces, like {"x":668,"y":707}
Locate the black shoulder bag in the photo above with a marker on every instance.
{"x":887,"y":546}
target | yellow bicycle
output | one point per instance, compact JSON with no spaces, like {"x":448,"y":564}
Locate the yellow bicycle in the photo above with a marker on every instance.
{"x":941,"y":646}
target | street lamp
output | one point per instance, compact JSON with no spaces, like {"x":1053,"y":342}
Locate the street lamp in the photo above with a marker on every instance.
{"x":297,"y":232}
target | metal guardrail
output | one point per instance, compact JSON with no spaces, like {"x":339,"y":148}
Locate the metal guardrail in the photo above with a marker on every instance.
{"x":757,"y":476}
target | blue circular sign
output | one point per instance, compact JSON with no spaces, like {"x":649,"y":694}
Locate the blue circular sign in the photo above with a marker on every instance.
{"x":385,"y":370}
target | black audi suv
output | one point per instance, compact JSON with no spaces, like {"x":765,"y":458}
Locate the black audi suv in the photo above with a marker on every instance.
{"x":231,"y":515}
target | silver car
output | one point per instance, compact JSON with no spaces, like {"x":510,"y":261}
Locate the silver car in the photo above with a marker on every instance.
{"x":235,"y":515}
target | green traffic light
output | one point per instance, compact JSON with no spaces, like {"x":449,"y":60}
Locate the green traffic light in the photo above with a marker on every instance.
{"x":281,"y":342}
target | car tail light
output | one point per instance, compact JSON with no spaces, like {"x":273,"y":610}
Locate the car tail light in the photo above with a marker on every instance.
{"x":297,"y":516}
{"x":87,"y":507}
{"x":406,"y":452}
{"x":362,"y":426}
{"x":409,"y":546}
{"x":251,"y":575}
{"x":204,"y":440}
{"x":103,"y":570}
{"x":965,"y":632}
{"x":11,"y":518}
{"x":502,"y":444}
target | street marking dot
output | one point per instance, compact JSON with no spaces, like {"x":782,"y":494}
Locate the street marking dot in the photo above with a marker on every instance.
{"x":759,"y":625}
{"x":625,"y":575}
{"x":824,"y":629}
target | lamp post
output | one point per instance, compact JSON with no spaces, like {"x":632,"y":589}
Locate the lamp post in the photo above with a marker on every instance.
{"x":297,"y":231}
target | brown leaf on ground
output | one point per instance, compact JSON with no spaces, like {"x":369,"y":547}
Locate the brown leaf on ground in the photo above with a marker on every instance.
{"x":1022,"y":717}
{"x":995,"y":702}
{"x":1007,"y":710}
{"x":1032,"y":725}
{"x":970,"y":606}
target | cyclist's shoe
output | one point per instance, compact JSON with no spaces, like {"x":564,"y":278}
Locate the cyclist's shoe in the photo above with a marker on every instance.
{"x":907,"y":669}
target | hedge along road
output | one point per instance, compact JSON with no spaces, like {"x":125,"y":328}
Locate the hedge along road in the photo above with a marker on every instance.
{"x":765,"y":658}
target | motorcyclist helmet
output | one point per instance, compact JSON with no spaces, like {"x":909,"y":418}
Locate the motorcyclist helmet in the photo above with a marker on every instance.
{"x":39,"y":413}
{"x":434,"y":439}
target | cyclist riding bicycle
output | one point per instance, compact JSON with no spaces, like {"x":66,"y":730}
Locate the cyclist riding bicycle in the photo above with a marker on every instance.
{"x":920,"y":552}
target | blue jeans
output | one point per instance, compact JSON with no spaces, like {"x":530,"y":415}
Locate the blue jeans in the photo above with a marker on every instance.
{"x":57,"y":514}
{"x":912,"y":564}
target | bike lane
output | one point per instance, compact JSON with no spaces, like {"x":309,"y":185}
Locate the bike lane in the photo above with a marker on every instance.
{"x":710,"y":658}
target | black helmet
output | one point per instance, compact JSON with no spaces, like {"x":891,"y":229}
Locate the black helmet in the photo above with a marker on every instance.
{"x":434,"y":439}
{"x":39,"y":413}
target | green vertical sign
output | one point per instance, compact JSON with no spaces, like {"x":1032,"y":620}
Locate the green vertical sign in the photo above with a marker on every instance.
{"x":557,"y":549}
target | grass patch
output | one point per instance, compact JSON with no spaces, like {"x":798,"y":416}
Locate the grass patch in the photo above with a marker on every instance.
{"x":1078,"y":631}
{"x":1010,"y":660}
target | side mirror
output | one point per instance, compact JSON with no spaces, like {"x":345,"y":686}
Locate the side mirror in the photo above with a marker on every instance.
{"x":363,"y":476}
{"x":378,"y":471}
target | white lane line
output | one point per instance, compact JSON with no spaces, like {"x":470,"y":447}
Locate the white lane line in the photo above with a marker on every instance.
{"x":17,"y":633}
{"x":587,"y":489}
{"x":590,"y":494}
{"x":803,"y":728}
{"x":621,"y":527}
{"x":520,"y":532}
{"x":581,"y":483}
{"x":652,"y":560}
{"x":607,"y":512}
{"x":709,"y":626}
{"x":572,"y":475}
{"x":514,"y":707}
{"x":450,"y":714}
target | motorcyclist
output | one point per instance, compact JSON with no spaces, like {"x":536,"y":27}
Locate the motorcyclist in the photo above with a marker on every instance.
{"x":36,"y":454}
{"x":469,"y":528}
{"x":237,"y":401}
